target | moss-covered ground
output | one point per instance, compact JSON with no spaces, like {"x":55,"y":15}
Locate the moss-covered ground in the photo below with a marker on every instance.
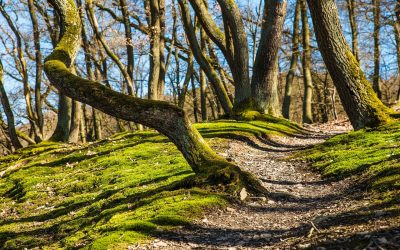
{"x":372,"y":154}
{"x":109,"y":194}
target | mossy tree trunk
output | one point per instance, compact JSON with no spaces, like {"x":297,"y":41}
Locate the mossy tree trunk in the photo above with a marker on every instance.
{"x":265,"y":68}
{"x":360,"y":102}
{"x":293,"y":62}
{"x":168,"y":119}
{"x":306,"y":61}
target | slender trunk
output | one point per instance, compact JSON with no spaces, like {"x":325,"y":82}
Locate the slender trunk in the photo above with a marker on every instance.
{"x":358,"y":98}
{"x":240,"y":69}
{"x":154,"y":16}
{"x":377,"y":49}
{"x":75,"y":122}
{"x":38,"y":75}
{"x":163,"y":69}
{"x":351,"y":7}
{"x":188,"y":77}
{"x":293,"y":63}
{"x":306,"y":60}
{"x":129,"y":45}
{"x":195,"y":101}
{"x":265,"y":69}
{"x":112,"y":55}
{"x":12,"y":132}
{"x":203,"y":96}
{"x":202,"y":60}
{"x":96,"y":116}
{"x":82,"y":124}
{"x":24,"y":74}
{"x":397,"y":35}
{"x":61,"y":133}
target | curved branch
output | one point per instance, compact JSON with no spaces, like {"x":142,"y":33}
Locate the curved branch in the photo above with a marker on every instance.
{"x":162,"y":116}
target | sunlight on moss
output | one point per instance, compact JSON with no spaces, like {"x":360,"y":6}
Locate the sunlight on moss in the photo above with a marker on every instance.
{"x":376,"y":152}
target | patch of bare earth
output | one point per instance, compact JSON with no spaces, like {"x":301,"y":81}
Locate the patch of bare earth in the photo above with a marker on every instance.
{"x":303,"y":211}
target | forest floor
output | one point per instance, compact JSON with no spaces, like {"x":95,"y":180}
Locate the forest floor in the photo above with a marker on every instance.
{"x":327,"y":190}
{"x":304,"y":210}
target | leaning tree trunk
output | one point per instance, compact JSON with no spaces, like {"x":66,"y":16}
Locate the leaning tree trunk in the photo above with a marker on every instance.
{"x":358,"y":98}
{"x":264,"y":70}
{"x":168,"y":119}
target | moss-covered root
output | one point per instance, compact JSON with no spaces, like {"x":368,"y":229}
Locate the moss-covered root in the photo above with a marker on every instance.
{"x":232,"y":180}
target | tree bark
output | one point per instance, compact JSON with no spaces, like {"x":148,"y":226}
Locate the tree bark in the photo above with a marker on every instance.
{"x":306,"y":60}
{"x":376,"y":5}
{"x":12,"y":132}
{"x":293,"y":62}
{"x":358,"y":98}
{"x":265,"y":64}
{"x":162,"y":116}
{"x":202,"y":60}
{"x":397,"y":35}
{"x":24,"y":74}
{"x":114,"y":58}
{"x":38,"y":75}
{"x":61,"y":133}
{"x":351,"y":7}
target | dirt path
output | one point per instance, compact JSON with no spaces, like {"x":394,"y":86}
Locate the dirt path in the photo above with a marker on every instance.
{"x":303,"y":210}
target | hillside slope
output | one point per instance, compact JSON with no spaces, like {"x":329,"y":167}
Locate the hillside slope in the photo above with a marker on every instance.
{"x":108,"y":194}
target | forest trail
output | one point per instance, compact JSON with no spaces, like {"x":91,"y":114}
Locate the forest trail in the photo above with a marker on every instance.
{"x":303,"y":210}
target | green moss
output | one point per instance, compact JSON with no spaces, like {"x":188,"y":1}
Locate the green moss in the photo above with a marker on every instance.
{"x":375,"y":152}
{"x":112,"y":193}
{"x":376,"y":113}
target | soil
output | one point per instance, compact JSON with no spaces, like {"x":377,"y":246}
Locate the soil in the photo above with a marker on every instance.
{"x":303,"y":211}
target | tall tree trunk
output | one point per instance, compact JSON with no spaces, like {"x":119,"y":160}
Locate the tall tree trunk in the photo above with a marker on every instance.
{"x":93,"y":20}
{"x":351,"y":7}
{"x":264,"y":69}
{"x":129,"y":45}
{"x":24,"y":74}
{"x":154,"y":15}
{"x":12,"y":132}
{"x":306,"y":60}
{"x":38,"y":75}
{"x":163,"y":66}
{"x":293,"y":62}
{"x":397,"y":35}
{"x":376,"y":5}
{"x":162,"y":116}
{"x":358,"y":98}
{"x":202,"y":60}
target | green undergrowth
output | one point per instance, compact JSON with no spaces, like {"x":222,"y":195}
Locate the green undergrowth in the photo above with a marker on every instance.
{"x":373,"y":154}
{"x":109,"y":194}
